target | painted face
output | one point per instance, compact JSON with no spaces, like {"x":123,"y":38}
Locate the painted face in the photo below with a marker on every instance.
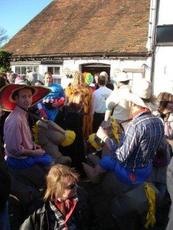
{"x":24,"y":98}
{"x":48,"y":79}
{"x":70,"y":190}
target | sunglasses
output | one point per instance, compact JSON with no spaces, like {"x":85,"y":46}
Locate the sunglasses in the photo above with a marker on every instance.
{"x":71,"y":186}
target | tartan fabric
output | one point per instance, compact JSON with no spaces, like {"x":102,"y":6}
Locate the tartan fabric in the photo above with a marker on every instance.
{"x":142,"y":138}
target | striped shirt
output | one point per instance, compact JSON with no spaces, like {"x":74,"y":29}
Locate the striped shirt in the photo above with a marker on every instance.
{"x":141,"y":140}
{"x":17,"y":133}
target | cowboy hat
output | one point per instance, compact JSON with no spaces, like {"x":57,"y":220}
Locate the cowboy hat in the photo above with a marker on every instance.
{"x":142,"y":88}
{"x":122,"y":76}
{"x":137,"y":100}
{"x":8,"y":92}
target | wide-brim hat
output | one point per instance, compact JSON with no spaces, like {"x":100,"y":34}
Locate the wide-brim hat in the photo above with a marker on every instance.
{"x":139,"y":101}
{"x":7,"y":93}
{"x":121,"y":77}
{"x":142,"y":88}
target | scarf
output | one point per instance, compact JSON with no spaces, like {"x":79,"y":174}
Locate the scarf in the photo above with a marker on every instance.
{"x":66,"y":207}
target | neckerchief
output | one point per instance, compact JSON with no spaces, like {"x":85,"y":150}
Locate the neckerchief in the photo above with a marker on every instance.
{"x":66,"y":207}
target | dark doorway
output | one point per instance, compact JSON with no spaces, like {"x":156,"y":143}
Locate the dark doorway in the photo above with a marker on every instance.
{"x":94,"y":68}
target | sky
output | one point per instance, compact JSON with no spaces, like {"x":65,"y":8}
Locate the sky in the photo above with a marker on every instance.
{"x":15,"y":14}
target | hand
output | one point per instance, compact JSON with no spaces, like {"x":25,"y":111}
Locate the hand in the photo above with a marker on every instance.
{"x":39,"y":152}
{"x":106,"y":125}
{"x":102,"y":134}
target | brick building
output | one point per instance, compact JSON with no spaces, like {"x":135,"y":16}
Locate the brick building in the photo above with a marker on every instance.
{"x":90,"y":35}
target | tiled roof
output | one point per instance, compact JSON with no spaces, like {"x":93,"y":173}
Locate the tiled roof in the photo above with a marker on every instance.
{"x":85,"y":26}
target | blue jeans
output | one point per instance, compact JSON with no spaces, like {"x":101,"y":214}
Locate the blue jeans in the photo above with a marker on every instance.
{"x":4,"y":218}
{"x":44,"y":160}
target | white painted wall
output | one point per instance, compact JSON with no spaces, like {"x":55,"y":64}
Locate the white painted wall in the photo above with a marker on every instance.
{"x":116,"y":65}
{"x":163,"y":68}
{"x":165,"y":12}
{"x":163,"y":74}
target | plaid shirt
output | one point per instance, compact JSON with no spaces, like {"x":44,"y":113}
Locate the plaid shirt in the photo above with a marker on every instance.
{"x":142,"y":138}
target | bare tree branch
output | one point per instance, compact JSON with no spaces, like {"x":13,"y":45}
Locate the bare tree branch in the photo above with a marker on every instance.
{"x":3,"y":36}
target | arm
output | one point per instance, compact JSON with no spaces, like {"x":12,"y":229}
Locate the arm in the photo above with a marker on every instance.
{"x":125,"y":149}
{"x":13,"y":140}
{"x":30,"y":223}
{"x":93,"y":104}
{"x":33,"y":152}
{"x":111,"y":103}
{"x":129,"y":144}
{"x":107,"y":114}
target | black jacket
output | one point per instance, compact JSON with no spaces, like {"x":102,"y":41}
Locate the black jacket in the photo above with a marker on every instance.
{"x":48,"y":218}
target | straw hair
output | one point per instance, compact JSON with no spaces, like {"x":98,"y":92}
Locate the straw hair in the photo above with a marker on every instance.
{"x":56,"y":181}
{"x":78,"y":79}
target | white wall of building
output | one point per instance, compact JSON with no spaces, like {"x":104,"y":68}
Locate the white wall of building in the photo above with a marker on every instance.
{"x":72,"y":65}
{"x":163,"y":80}
{"x":165,"y":12}
{"x":115,"y":66}
{"x":163,"y":68}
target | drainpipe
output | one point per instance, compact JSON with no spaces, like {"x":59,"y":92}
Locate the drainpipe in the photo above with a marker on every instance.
{"x":155,"y":5}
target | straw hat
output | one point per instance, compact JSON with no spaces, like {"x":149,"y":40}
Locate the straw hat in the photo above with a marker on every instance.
{"x":8,"y":92}
{"x":142,"y":88}
{"x":122,"y":76}
{"x":137,"y":100}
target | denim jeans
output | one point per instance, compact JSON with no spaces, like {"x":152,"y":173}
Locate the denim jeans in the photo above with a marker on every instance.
{"x":4,"y":218}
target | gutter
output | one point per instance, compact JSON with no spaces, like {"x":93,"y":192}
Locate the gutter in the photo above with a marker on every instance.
{"x":56,"y":56}
{"x":153,"y":49}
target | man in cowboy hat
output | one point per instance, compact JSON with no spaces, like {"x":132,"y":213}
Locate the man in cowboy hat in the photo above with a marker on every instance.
{"x":132,"y":160}
{"x":22,"y":154}
{"x":117,"y":103}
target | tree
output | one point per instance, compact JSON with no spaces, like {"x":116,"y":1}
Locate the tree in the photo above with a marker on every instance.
{"x":4,"y":61}
{"x":3,"y":36}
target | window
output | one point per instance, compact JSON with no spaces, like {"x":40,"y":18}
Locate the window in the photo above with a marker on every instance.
{"x":23,"y":69}
{"x":54,"y":70}
{"x":57,"y":80}
{"x":164,"y":34}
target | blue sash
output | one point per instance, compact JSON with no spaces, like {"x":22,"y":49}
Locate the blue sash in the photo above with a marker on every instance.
{"x":126,"y":175}
{"x":28,"y":162}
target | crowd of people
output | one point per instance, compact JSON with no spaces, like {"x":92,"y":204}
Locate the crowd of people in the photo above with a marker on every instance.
{"x":113,"y":136}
